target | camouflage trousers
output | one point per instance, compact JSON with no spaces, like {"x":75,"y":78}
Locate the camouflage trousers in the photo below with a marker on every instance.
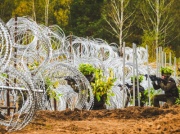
{"x":162,"y":97}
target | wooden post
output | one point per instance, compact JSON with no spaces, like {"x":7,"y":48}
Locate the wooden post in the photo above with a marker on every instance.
{"x":102,"y":52}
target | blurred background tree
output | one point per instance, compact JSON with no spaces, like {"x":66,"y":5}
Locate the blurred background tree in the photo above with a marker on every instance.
{"x":86,"y":18}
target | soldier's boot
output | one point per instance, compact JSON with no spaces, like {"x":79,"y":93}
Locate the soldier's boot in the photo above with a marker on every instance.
{"x":156,"y":101}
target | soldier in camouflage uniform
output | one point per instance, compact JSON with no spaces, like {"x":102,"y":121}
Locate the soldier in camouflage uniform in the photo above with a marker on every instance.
{"x":141,"y":92}
{"x":168,"y":85}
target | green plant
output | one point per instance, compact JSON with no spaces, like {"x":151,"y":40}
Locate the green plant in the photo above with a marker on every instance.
{"x":152,"y":94}
{"x":4,"y":75}
{"x":178,"y":99}
{"x":49,"y":85}
{"x":102,"y":86}
{"x":168,"y":50}
{"x":86,"y":69}
{"x":148,"y":37}
{"x":135,"y":77}
{"x":166,"y":70}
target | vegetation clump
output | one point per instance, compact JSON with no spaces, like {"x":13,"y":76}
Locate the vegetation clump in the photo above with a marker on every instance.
{"x":102,"y":85}
{"x":166,"y":70}
{"x":86,"y":69}
{"x":140,"y":77}
{"x":49,"y":86}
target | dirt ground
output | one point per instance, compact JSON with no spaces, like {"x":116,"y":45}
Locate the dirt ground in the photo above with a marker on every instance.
{"x":131,"y":120}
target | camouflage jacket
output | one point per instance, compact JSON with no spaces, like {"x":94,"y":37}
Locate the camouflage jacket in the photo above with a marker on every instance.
{"x":168,"y":86}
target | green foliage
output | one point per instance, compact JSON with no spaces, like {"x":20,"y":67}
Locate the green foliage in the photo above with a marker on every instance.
{"x":169,"y":50}
{"x":50,"y":85}
{"x":23,"y":8}
{"x":85,"y":18}
{"x":61,"y":12}
{"x":135,"y":77}
{"x":102,"y":86}
{"x":152,"y":93}
{"x":7,"y":7}
{"x":178,"y":99}
{"x":166,"y":70}
{"x":4,"y":75}
{"x":148,"y":38}
{"x":86,"y":69}
{"x":176,"y":30}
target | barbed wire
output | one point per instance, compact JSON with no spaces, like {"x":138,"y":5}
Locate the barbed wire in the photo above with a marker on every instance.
{"x":31,"y":53}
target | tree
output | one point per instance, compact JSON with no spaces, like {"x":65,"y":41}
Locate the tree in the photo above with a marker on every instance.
{"x":23,"y":8}
{"x":85,"y":17}
{"x":61,"y":12}
{"x":118,"y":19}
{"x":157,"y":19}
{"x":175,"y":30}
{"x":46,"y":11}
{"x":6,"y":9}
{"x":33,"y":10}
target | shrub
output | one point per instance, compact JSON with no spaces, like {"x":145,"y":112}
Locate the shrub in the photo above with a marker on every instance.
{"x":49,"y":85}
{"x":102,"y":85}
{"x":86,"y":69}
{"x":178,"y":99}
{"x":152,"y":94}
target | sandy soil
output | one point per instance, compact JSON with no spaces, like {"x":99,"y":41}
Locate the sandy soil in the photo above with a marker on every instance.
{"x":131,"y":120}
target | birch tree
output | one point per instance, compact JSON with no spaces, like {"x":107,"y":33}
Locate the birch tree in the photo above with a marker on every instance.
{"x":46,"y":12}
{"x":119,"y":20}
{"x":157,"y":19}
{"x":33,"y":10}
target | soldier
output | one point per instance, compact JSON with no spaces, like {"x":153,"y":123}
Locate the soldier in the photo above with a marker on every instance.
{"x":141,"y":92}
{"x":167,"y":84}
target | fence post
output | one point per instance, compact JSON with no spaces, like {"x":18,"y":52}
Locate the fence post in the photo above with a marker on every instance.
{"x":124,"y":55}
{"x":134,"y":47}
{"x":148,"y":76}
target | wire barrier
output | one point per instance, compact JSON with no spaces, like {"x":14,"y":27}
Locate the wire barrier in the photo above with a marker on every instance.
{"x":39,"y":70}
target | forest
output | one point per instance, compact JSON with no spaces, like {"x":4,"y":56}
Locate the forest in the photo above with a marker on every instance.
{"x":144,"y":22}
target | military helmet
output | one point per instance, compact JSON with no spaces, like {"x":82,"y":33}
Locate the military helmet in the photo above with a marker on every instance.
{"x":166,"y":70}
